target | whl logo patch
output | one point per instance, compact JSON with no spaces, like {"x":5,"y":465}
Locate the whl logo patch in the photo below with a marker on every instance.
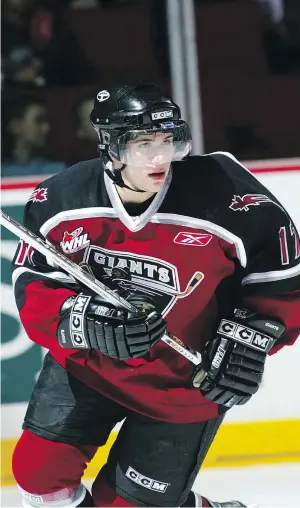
{"x":193,"y":239}
{"x":145,"y":481}
{"x":74,"y":241}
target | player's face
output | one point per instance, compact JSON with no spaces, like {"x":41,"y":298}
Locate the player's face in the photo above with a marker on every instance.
{"x":149,"y":158}
{"x":34,"y":126}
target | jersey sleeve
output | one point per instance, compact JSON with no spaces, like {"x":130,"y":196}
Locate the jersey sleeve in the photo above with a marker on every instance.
{"x":272,"y":283}
{"x":40,"y":288}
{"x":271,"y":280}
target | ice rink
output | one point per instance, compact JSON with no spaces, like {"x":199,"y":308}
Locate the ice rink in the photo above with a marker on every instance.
{"x":264,"y":486}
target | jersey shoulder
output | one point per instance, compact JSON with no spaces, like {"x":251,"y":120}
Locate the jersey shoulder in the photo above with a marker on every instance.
{"x":73,"y":177}
{"x":218,"y":188}
{"x":220,"y":181}
{"x":207,"y":183}
{"x":79,"y":186}
{"x":218,"y":173}
{"x":248,"y":191}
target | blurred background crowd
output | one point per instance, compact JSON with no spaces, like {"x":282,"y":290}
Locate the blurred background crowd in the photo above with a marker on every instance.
{"x":56,"y":54}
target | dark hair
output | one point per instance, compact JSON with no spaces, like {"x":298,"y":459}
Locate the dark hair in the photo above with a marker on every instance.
{"x":15,"y":108}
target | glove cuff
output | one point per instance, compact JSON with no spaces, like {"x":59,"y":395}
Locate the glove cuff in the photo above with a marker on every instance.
{"x":72,"y":329}
{"x":78,"y":329}
{"x":246,"y":335}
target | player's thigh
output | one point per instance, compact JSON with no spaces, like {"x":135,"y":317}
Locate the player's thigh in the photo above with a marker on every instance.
{"x":154,"y":463}
{"x":64,"y":409}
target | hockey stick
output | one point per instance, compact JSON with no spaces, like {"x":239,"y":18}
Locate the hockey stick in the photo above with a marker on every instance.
{"x":192,"y":284}
{"x":88,"y":280}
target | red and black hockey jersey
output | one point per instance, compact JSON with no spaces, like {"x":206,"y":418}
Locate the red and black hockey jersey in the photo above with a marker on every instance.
{"x":213,"y":238}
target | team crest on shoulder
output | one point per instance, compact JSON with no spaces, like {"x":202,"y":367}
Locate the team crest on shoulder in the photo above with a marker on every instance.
{"x":242,"y":203}
{"x":39,"y":195}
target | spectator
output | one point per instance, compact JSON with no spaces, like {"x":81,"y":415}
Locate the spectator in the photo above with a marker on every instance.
{"x":22,"y":68}
{"x":35,"y":35}
{"x":281,"y":35}
{"x":19,"y":63}
{"x":81,"y":113}
{"x":86,"y":142}
{"x":25,"y":129}
{"x":274,"y":9}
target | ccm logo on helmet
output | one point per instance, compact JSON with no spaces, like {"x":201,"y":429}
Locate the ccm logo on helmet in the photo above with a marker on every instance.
{"x":162,"y":114}
{"x":103,"y":95}
{"x":145,"y":481}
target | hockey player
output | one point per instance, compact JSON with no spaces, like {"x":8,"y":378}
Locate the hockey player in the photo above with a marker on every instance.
{"x":204,"y":251}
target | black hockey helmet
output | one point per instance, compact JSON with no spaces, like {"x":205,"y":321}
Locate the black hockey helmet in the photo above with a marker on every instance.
{"x":122,"y":113}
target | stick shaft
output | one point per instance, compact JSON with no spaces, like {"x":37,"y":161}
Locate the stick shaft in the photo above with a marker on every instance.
{"x":88,"y":280}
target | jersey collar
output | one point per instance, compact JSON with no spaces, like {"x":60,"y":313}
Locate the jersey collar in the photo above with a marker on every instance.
{"x":136,"y":223}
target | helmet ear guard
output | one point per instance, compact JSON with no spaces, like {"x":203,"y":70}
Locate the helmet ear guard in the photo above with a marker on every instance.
{"x":107,"y":140}
{"x":105,"y":148}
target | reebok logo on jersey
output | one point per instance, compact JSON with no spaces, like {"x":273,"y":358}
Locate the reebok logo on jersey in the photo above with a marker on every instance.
{"x":240,"y":203}
{"x":193,"y":239}
{"x":38,"y":195}
{"x":145,"y":481}
{"x":74,"y":241}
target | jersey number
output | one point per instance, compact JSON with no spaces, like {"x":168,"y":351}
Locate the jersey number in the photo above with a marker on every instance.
{"x":24,"y":254}
{"x":283,"y":238}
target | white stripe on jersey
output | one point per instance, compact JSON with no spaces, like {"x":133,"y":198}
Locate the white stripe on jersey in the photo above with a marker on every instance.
{"x":78,"y":213}
{"x":192,"y":222}
{"x":159,"y":218}
{"x":287,"y":273}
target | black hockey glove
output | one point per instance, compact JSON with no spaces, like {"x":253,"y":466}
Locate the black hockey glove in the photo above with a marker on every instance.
{"x":234,"y":361}
{"x":88,"y":322}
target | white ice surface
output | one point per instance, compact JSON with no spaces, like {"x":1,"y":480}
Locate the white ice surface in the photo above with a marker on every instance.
{"x":265,"y":486}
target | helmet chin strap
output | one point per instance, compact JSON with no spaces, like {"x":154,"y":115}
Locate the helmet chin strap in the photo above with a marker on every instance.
{"x":116,"y":174}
